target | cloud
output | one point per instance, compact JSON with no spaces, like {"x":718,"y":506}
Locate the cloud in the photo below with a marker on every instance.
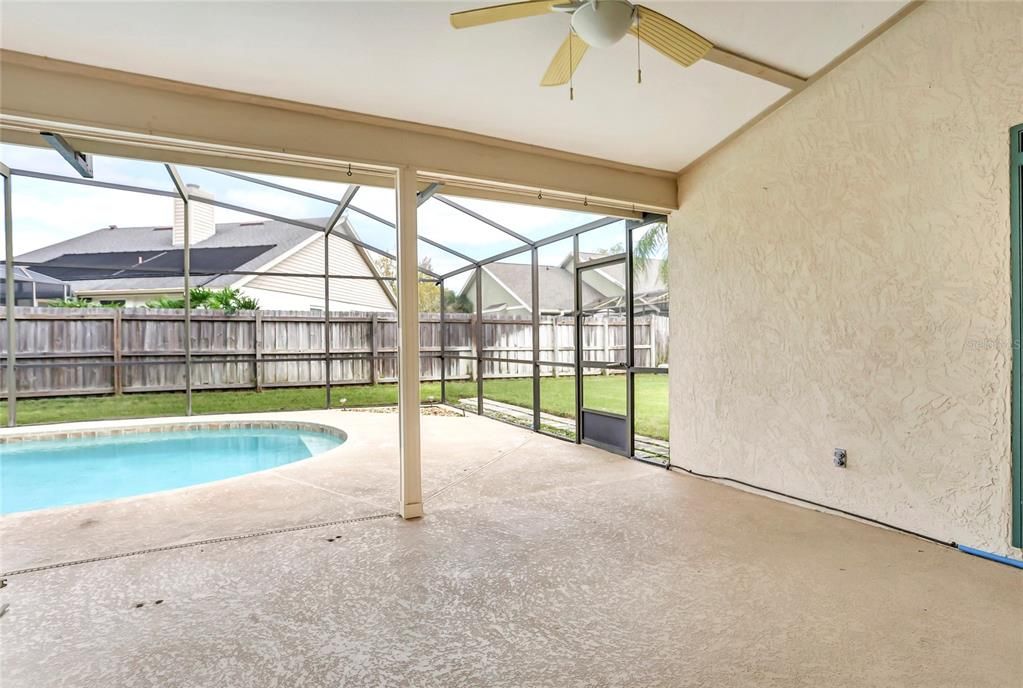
{"x":47,"y":212}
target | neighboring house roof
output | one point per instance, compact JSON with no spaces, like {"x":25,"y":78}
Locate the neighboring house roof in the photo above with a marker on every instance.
{"x":121,"y":247}
{"x":557,"y":283}
{"x":23,"y":274}
{"x":234,"y":246}
{"x":124,"y":265}
{"x":29,"y":283}
{"x":648,"y":279}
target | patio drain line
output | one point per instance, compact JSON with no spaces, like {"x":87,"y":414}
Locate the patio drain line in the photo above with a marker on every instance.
{"x":197,"y":543}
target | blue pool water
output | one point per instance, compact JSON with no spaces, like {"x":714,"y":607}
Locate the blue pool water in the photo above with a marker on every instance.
{"x":42,"y":473}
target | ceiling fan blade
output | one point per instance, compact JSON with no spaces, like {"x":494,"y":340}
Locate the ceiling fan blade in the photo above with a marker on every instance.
{"x":499,"y":13}
{"x":565,"y":61}
{"x":669,"y":38}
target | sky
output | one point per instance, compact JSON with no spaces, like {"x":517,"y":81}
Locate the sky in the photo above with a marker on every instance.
{"x":45,"y":212}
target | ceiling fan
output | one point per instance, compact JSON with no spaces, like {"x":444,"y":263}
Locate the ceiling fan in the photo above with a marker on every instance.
{"x":602,"y":23}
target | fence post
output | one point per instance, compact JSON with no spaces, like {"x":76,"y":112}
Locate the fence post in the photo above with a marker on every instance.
{"x":373,"y":377}
{"x":116,"y":350}
{"x":474,"y":343}
{"x":555,"y":345}
{"x":258,"y":351}
{"x":607,"y":344}
{"x":653,"y":342}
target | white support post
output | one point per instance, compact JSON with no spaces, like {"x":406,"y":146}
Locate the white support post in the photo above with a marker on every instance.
{"x":12,"y":332}
{"x":186,"y":240}
{"x":187,"y":269}
{"x":411,"y":499}
{"x":327,"y":363}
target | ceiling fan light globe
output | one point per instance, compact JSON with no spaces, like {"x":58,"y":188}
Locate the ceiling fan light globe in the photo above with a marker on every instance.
{"x":602,"y":23}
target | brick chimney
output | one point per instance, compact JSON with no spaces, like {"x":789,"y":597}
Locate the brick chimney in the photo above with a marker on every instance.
{"x":201,"y":214}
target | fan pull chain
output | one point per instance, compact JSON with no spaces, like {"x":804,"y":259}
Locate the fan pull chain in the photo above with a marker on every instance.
{"x":639,"y":64}
{"x":571,"y":67}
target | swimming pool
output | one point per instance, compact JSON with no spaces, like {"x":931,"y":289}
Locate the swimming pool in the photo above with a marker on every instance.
{"x":41,"y":473}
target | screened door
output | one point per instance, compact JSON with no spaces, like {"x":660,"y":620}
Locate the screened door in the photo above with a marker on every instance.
{"x":603,"y":361}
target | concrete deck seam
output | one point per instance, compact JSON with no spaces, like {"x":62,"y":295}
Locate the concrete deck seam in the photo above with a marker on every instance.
{"x":274,"y":473}
{"x":477,"y":470}
{"x":196,"y":543}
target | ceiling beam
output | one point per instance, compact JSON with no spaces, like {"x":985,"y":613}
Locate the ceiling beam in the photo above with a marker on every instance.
{"x":740,"y":63}
{"x":119,"y":112}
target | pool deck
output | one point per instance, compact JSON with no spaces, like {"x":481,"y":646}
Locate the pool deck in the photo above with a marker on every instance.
{"x":356,"y":480}
{"x":538,"y":563}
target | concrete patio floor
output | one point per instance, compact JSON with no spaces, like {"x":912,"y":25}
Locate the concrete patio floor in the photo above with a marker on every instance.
{"x":539,"y":563}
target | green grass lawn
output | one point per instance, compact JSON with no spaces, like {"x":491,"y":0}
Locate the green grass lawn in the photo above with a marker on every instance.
{"x":557,"y":396}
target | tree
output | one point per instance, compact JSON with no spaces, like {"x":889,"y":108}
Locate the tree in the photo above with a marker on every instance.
{"x":198,"y":296}
{"x":429,"y":291}
{"x":652,"y":246}
{"x":231,"y":300}
{"x":228,"y":299}
{"x":457,"y":303}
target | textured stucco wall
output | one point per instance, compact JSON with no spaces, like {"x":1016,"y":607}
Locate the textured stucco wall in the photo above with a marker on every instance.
{"x":840,"y":278}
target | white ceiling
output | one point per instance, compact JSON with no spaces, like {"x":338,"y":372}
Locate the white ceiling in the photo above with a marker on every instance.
{"x":403,"y":60}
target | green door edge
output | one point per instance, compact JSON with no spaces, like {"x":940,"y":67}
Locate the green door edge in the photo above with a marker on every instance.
{"x":1016,"y":210}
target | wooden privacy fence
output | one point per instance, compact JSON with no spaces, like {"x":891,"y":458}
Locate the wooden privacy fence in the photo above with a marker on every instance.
{"x":64,"y":351}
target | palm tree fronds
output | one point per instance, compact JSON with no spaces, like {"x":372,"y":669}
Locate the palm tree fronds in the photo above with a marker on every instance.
{"x":651,"y":246}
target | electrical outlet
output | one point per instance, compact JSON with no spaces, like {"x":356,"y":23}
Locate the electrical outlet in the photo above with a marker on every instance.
{"x":840,"y":457}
